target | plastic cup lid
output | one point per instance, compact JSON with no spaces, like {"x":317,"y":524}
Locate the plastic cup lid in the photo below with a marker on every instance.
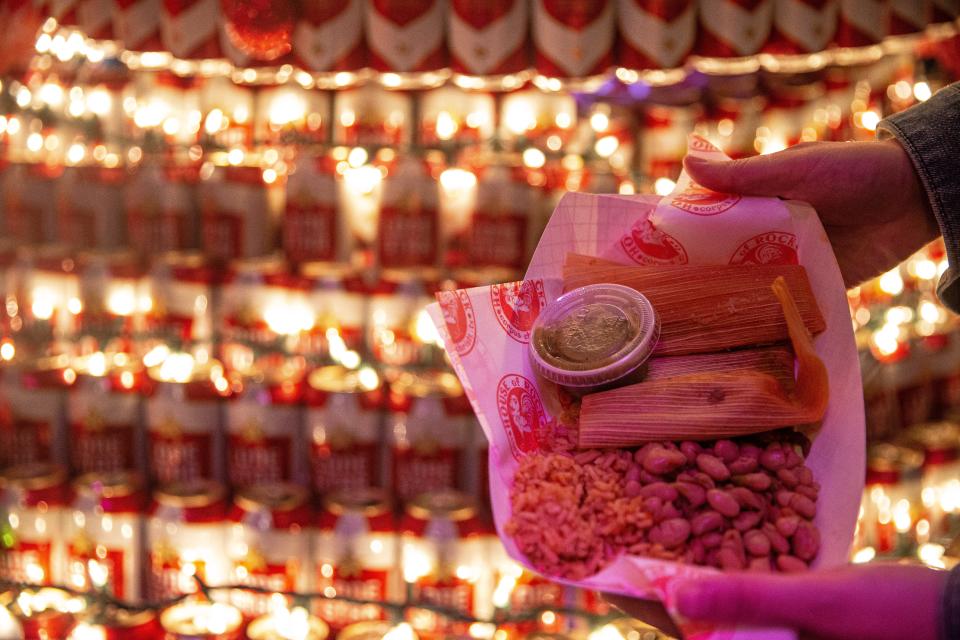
{"x":594,"y":335}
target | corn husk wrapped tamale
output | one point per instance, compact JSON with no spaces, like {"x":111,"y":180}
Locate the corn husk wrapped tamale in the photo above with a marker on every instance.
{"x":777,"y":361}
{"x":705,"y":406}
{"x":707,"y":308}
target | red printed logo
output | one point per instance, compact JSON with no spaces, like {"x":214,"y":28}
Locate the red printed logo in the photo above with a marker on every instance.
{"x":646,"y":244}
{"x":459,"y":318}
{"x":521,"y":412}
{"x":699,"y":143}
{"x":517,"y":305}
{"x":774,"y":247}
{"x":704,"y":202}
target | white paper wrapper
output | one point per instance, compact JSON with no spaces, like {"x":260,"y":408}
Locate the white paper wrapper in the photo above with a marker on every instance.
{"x":487,"y":329}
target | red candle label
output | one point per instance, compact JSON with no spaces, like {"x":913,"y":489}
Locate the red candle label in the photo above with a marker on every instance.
{"x":352,"y":582}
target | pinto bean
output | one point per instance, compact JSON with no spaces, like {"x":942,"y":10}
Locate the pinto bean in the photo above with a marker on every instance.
{"x":712,"y":466}
{"x":742,"y":465}
{"x":660,"y":460}
{"x":726,"y":450}
{"x":723,"y":502}
{"x":784,"y":497}
{"x":759,"y":564}
{"x":808,"y":491}
{"x":805,"y":475}
{"x":790,"y":564}
{"x":633,"y":473}
{"x":693,"y":493}
{"x":777,"y":541}
{"x":660,"y":490}
{"x":788,"y":478}
{"x":794,"y":459}
{"x":747,"y":520}
{"x":803,"y":505}
{"x":691,"y":449}
{"x":806,"y":541}
{"x":746,"y":498}
{"x":787,"y":525}
{"x":711,"y":540}
{"x":773,"y":457}
{"x":756,"y":543}
{"x":706,"y":521}
{"x":757,"y":481}
{"x":670,"y":533}
{"x":728,"y":560}
{"x":633,"y":488}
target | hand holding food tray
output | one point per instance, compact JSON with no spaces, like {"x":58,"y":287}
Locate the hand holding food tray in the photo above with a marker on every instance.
{"x":731,"y":440}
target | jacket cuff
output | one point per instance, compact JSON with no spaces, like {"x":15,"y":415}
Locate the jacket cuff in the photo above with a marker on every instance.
{"x":950,"y":607}
{"x":929,"y":133}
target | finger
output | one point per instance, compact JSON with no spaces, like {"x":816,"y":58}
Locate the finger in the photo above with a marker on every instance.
{"x":793,"y":601}
{"x":769,"y":175}
{"x":650,"y":611}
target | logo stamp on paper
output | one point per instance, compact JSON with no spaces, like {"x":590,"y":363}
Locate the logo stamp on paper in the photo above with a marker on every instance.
{"x":704,"y":202}
{"x":773,"y":247}
{"x":460,"y":320}
{"x":521,"y":412}
{"x":517,"y":305}
{"x":645,"y":244}
{"x":699,"y":143}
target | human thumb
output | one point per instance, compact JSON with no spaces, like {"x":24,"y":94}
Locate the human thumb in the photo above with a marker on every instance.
{"x":768,"y":175}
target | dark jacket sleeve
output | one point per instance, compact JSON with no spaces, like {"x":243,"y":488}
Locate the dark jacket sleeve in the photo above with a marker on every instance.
{"x":930,"y":133}
{"x":950,"y":607}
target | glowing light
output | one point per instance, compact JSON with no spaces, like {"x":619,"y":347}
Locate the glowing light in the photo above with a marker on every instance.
{"x":76,"y":153}
{"x":122,"y":300}
{"x":901,"y":516}
{"x":518,"y":117}
{"x":289,"y":319}
{"x":287,"y":109}
{"x":534,"y":158}
{"x":99,"y":102}
{"x":235,"y":156}
{"x":482,"y":630}
{"x":348,"y":118}
{"x":13,"y":126}
{"x":921,"y":91}
{"x":862,"y":556}
{"x":24,"y":97}
{"x":606,"y":146}
{"x":870,"y":120}
{"x":446,"y":126}
{"x":43,"y":43}
{"x":43,"y":303}
{"x":362,"y":180}
{"x":923,"y":528}
{"x":772,"y":144}
{"x":171,"y":126}
{"x":899,"y":315}
{"x":891,"y":282}
{"x":35,"y":142}
{"x":599,"y":122}
{"x":563,"y":120}
{"x":402,"y":631}
{"x":663,"y":186}
{"x":391,"y":80}
{"x":97,"y":364}
{"x":931,"y":555}
{"x":887,"y":339}
{"x":7,"y":351}
{"x":156,"y":356}
{"x":215,"y":122}
{"x":548,"y":617}
{"x":86,"y":631}
{"x":269,"y":176}
{"x":930,"y":311}
{"x":177,"y":367}
{"x":358,"y":156}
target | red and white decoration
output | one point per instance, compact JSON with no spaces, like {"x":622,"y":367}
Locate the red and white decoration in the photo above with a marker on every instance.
{"x":137,"y":24}
{"x":406,"y":35}
{"x":189,"y":28}
{"x":573,"y":38}
{"x":328,"y":36}
{"x":862,"y":22}
{"x":734,"y":28}
{"x":655,"y":34}
{"x":802,"y":26}
{"x":488,"y":38}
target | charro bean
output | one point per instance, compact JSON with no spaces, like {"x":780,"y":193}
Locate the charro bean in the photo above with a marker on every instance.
{"x":693,"y":493}
{"x":810,"y":492}
{"x":784,"y":497}
{"x":757,"y":481}
{"x":728,"y":560}
{"x":756,"y":543}
{"x":742,"y":465}
{"x":788,"y":478}
{"x":806,"y":541}
{"x":711,"y":540}
{"x":790,"y":564}
{"x":633,"y":488}
{"x":773,"y":457}
{"x":787,"y":525}
{"x":726,"y":450}
{"x":759,"y":564}
{"x":691,"y":450}
{"x":805,"y":475}
{"x":777,"y":541}
{"x":660,"y":490}
{"x":633,"y":473}
{"x":746,"y":498}
{"x":803,"y":505}
{"x":706,"y":521}
{"x":660,"y":460}
{"x":723,"y":502}
{"x":793,"y":458}
{"x":670,"y":533}
{"x":747,"y":520}
{"x":712,"y":466}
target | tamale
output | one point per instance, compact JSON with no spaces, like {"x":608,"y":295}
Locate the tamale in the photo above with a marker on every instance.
{"x":707,"y":308}
{"x":776,"y":361}
{"x":708,"y":406}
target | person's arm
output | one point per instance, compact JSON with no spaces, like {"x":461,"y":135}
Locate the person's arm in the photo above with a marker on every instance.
{"x":930,"y":134}
{"x":858,"y":602}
